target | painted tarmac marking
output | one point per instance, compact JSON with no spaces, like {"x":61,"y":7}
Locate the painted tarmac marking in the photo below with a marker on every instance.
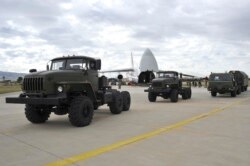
{"x":106,"y":148}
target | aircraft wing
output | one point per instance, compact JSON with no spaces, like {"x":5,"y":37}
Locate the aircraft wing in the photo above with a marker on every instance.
{"x":117,"y":70}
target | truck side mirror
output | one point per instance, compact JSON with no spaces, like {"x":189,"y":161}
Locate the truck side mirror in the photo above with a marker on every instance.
{"x":47,"y":67}
{"x":98,"y":64}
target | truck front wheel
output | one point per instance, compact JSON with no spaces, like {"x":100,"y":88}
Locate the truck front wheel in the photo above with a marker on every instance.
{"x":151,"y":97}
{"x":81,"y":111}
{"x":36,"y":113}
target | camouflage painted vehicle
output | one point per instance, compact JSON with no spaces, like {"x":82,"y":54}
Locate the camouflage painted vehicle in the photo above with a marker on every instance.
{"x":222,"y":83}
{"x":242,"y":80}
{"x":168,"y":84}
{"x":69,"y":86}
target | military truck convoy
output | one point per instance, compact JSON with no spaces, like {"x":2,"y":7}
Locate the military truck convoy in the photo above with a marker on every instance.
{"x":169,"y":84}
{"x":233,"y":82}
{"x":69,"y":86}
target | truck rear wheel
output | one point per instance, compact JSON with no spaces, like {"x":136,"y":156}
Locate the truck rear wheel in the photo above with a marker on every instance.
{"x":213,"y":94}
{"x":233,"y":93}
{"x":117,"y":105}
{"x":239,"y":91}
{"x":174,"y":96}
{"x":36,"y":113}
{"x":151,"y":97}
{"x":81,"y":111}
{"x":185,"y":94}
{"x":189,"y":93}
{"x":126,"y":100}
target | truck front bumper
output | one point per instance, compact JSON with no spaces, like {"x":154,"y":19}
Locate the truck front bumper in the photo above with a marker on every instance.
{"x":53,"y":100}
{"x":158,"y":90}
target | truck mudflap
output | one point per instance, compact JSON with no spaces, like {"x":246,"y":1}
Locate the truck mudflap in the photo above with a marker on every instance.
{"x":50,"y":100}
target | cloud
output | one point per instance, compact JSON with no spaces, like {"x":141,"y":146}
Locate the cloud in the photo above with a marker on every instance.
{"x":192,"y":36}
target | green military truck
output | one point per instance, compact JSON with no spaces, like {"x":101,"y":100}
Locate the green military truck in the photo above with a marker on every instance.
{"x":168,"y":84}
{"x":222,"y":83}
{"x":242,"y":80}
{"x":70,"y":85}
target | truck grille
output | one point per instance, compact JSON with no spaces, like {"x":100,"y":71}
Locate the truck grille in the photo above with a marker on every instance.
{"x":156,"y":84}
{"x":33,"y":84}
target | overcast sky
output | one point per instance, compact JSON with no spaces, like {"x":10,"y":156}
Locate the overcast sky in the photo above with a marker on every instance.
{"x":192,"y":36}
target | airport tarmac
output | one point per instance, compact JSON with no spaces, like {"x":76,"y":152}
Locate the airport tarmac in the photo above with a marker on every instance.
{"x":200,"y":131}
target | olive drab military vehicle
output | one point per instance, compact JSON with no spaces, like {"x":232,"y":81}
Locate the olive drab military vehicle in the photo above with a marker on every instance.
{"x":69,"y":86}
{"x":241,"y":79}
{"x":222,"y":83}
{"x":168,"y":84}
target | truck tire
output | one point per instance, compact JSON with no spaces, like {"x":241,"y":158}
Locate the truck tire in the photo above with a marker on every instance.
{"x":81,"y":111}
{"x":239,"y":90}
{"x":126,"y":100}
{"x":213,"y":93}
{"x":242,"y":89}
{"x":36,"y":113}
{"x":185,"y":94}
{"x":151,"y":97}
{"x":189,"y":93}
{"x":117,"y":105}
{"x":96,"y":107}
{"x":233,"y":93}
{"x":174,"y":96}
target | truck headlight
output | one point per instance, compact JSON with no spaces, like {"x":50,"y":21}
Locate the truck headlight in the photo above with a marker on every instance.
{"x":60,"y":89}
{"x":167,"y":86}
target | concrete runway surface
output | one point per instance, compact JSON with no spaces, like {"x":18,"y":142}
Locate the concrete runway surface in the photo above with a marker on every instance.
{"x":200,"y":131}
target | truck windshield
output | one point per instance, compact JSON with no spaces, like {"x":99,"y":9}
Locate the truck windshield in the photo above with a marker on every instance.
{"x":165,"y":75}
{"x":221,"y":77}
{"x":69,"y":64}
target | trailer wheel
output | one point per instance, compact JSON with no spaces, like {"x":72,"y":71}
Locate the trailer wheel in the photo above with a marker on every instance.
{"x":174,"y":96}
{"x":36,"y":113}
{"x":151,"y":97}
{"x":213,"y":93}
{"x":126,"y":100}
{"x":81,"y":111}
{"x":117,"y":105}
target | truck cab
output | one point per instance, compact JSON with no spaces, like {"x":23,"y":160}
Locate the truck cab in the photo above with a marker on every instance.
{"x":70,"y":85}
{"x":222,"y":83}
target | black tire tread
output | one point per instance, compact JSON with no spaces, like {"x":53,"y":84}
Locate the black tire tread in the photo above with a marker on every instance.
{"x":37,"y":114}
{"x":76,"y":117}
{"x":126,"y":100}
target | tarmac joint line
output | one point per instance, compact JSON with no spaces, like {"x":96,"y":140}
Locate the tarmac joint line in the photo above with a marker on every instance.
{"x":106,"y":148}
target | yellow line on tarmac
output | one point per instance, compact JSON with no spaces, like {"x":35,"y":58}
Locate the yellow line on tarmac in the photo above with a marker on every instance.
{"x":106,"y":148}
